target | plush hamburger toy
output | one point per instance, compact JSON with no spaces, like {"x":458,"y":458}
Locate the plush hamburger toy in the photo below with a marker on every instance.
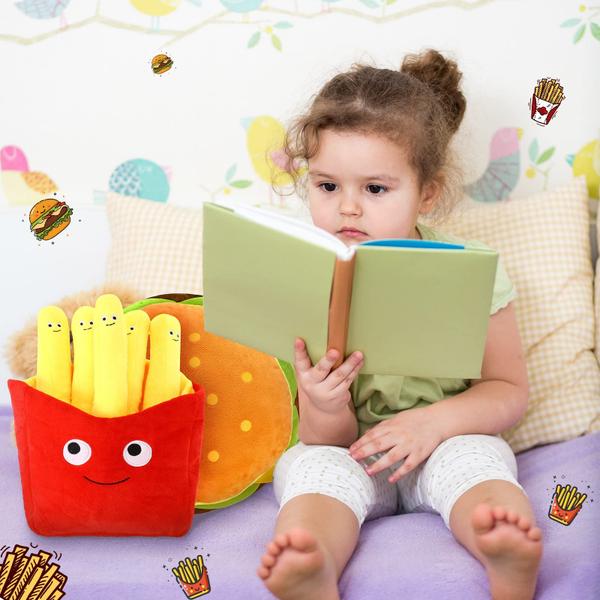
{"x":250,"y":415}
{"x":49,"y":217}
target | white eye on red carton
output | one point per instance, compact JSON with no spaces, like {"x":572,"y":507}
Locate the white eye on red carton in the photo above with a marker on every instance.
{"x":546,"y":99}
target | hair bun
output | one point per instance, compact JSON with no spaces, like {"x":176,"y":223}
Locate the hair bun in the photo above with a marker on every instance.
{"x":443,"y":77}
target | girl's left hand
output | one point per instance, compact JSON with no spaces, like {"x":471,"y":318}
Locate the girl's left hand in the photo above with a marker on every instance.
{"x":411,"y":434}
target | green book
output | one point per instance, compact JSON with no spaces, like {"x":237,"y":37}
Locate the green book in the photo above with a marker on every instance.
{"x":412,"y":307}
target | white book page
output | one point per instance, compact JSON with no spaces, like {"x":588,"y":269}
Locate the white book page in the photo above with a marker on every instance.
{"x":299,"y":229}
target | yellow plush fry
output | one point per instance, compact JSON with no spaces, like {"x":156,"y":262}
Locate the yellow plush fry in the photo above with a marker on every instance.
{"x":185,"y":385}
{"x":53,"y":375}
{"x":82,"y":390}
{"x":110,"y":358}
{"x":163,"y":381}
{"x":137,"y":325}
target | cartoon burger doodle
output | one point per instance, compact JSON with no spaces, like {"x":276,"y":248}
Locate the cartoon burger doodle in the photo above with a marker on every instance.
{"x":49,"y":217}
{"x":161,"y":63}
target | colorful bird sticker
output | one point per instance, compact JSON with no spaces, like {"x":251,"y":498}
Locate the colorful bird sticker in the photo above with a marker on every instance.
{"x":155,"y":9}
{"x":141,"y":178}
{"x":264,"y":142}
{"x":587,"y":162}
{"x":44,"y":9}
{"x":502,"y":172}
{"x":244,"y":7}
{"x":20,"y":185}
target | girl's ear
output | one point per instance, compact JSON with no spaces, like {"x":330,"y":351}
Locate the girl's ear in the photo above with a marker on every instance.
{"x":429,"y":196}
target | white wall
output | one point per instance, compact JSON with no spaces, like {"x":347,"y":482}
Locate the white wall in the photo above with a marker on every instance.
{"x":81,"y":99}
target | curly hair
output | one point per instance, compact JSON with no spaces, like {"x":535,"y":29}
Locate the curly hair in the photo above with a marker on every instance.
{"x":418,"y":107}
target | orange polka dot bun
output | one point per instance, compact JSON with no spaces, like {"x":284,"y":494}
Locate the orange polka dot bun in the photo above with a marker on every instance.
{"x":250,"y":414}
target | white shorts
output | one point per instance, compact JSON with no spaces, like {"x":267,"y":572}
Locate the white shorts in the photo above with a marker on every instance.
{"x":457,"y":464}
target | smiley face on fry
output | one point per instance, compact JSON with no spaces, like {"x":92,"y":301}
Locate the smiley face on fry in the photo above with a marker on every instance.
{"x":53,"y":375}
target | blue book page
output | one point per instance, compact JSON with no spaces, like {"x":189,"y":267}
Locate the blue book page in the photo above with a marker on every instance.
{"x":410,"y":243}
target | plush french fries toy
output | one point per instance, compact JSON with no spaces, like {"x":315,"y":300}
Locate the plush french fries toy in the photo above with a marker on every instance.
{"x":53,"y":375}
{"x":164,"y":377}
{"x":137,"y":325}
{"x":110,"y":358}
{"x":82,"y":390}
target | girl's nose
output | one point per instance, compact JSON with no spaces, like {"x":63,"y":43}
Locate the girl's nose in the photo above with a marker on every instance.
{"x":350,"y":204}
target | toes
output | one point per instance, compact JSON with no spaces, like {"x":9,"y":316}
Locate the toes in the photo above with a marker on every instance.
{"x":482,"y":518}
{"x":524,"y":523}
{"x":262,"y":572}
{"x":268,"y":560}
{"x":274,"y":548}
{"x":499,"y":512}
{"x":535,"y":534}
{"x":512,"y":516}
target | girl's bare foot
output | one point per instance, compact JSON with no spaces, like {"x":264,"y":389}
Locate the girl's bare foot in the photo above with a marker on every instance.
{"x":512,"y":550}
{"x":296,"y":566}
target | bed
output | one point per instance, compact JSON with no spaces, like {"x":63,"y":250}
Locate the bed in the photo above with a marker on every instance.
{"x":417,"y":555}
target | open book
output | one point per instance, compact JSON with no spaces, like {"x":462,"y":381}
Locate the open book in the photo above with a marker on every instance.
{"x":412,"y":307}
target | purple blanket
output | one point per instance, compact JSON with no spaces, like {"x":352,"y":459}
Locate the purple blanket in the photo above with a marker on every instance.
{"x":410,"y":556}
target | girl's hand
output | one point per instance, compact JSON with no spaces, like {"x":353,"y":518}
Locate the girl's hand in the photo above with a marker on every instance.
{"x":411,"y":434}
{"x":327,"y":391}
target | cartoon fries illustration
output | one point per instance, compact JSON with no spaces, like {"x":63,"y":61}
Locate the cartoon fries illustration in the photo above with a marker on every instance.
{"x":193,"y":577}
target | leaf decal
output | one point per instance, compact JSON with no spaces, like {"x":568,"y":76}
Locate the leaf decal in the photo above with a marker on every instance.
{"x":241,"y":183}
{"x":533,"y":150}
{"x":570,"y":22}
{"x":254,"y":40}
{"x":545,"y":156}
{"x":579,"y":33}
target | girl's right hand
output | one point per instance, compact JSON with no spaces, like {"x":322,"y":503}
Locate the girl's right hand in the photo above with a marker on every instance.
{"x":327,"y":391}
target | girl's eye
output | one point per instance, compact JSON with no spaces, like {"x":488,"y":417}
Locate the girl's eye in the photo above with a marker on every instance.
{"x":321,"y":184}
{"x":375,"y":185}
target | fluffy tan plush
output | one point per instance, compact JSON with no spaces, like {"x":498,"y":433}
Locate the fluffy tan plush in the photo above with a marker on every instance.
{"x":21,"y":348}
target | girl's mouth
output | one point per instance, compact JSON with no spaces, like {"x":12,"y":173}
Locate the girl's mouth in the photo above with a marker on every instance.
{"x":353,"y":234}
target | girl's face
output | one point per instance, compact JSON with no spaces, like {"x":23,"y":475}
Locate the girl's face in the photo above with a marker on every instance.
{"x":364,"y":182}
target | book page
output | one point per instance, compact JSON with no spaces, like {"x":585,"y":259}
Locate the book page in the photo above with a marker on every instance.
{"x":296,"y":227}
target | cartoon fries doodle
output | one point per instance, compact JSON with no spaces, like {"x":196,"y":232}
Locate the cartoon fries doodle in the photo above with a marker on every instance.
{"x":546,"y":99}
{"x":30,"y":578}
{"x":566,"y":504}
{"x":193,"y":577}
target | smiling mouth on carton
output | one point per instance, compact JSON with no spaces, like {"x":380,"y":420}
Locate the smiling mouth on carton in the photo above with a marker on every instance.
{"x":107,"y":483}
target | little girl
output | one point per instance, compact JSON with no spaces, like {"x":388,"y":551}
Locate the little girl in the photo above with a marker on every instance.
{"x":376,"y":142}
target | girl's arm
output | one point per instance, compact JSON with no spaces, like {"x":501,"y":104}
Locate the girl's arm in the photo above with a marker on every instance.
{"x":498,"y":400}
{"x":318,"y":427}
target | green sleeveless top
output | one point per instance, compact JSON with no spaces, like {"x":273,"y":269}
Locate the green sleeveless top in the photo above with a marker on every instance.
{"x":379,"y":397}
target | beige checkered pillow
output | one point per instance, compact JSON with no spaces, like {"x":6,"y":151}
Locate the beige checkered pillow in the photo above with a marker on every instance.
{"x":544,"y":244}
{"x":596,"y":424}
{"x":156,"y":248}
